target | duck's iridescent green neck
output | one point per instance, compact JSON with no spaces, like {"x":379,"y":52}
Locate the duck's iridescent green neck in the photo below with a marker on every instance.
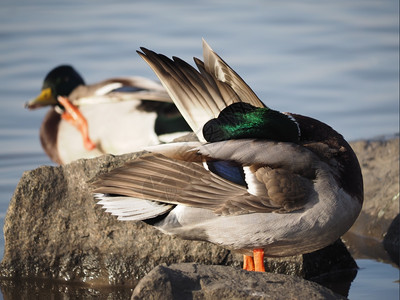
{"x":242,"y":120}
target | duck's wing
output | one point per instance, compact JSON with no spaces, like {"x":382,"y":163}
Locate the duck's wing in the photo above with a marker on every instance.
{"x":119,"y":89}
{"x":219,"y":69}
{"x":161,"y":179}
{"x":200,"y":96}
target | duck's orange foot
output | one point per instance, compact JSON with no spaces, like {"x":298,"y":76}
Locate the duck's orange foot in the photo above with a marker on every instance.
{"x":75,"y":117}
{"x":248,"y":263}
{"x":258,"y":255}
{"x":255,"y":263}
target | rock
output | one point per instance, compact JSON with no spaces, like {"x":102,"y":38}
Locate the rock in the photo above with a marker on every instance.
{"x":332,"y":267}
{"x":379,"y":161}
{"x":391,"y":241}
{"x":54,"y":229}
{"x":194,"y":281}
{"x":331,"y":259}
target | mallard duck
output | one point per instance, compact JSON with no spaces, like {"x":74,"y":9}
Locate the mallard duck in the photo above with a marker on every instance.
{"x":116,"y":116}
{"x":258,"y":181}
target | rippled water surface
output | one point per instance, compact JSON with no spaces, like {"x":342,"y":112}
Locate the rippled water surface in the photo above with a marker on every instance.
{"x":335,"y":61}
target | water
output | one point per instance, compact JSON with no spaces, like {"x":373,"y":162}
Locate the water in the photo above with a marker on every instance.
{"x":368,"y":283}
{"x":335,"y":61}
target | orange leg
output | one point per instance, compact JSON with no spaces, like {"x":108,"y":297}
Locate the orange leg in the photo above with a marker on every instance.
{"x":248,"y":263}
{"x":259,"y":260}
{"x":74,"y":116}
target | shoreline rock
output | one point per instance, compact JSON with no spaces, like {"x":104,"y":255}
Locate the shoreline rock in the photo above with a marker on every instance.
{"x":54,"y":229}
{"x":193,"y":281}
{"x":379,"y":161}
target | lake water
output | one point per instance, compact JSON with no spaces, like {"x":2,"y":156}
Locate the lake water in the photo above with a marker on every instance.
{"x":335,"y":61}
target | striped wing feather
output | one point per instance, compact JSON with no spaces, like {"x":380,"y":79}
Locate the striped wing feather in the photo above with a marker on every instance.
{"x":200,"y":96}
{"x":219,"y":69}
{"x":157,"y":178}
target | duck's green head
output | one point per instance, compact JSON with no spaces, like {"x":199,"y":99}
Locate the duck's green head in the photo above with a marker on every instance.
{"x":243,"y":121}
{"x":60,"y":81}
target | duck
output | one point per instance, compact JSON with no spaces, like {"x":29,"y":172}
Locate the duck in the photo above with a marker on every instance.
{"x":116,"y":116}
{"x":256,"y":181}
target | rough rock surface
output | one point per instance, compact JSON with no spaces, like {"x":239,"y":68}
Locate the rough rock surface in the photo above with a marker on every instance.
{"x":193,"y":281}
{"x":379,"y":161}
{"x":54,"y":229}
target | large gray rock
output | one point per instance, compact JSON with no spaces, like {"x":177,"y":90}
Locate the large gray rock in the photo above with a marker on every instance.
{"x":379,"y":161}
{"x":54,"y":229}
{"x":193,"y":281}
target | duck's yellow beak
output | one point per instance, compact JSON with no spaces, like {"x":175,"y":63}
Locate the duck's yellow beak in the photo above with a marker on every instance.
{"x":44,"y":99}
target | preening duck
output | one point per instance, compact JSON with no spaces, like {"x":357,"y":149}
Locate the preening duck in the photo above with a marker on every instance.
{"x":258,"y":181}
{"x":117,"y":115}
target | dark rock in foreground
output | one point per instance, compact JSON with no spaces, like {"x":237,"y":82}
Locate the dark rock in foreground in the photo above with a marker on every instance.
{"x":391,"y":241}
{"x":193,"y":281}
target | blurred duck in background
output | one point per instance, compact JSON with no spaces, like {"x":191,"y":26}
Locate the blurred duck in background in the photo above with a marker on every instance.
{"x":117,"y":115}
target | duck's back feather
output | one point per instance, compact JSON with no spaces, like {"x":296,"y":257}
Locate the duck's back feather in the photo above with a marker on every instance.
{"x":119,"y":89}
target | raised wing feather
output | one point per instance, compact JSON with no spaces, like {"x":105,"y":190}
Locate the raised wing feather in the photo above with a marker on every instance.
{"x":200,"y":96}
{"x":219,"y":69}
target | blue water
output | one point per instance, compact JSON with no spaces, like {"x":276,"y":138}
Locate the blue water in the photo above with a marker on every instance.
{"x":369,"y":284}
{"x":335,"y":61}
